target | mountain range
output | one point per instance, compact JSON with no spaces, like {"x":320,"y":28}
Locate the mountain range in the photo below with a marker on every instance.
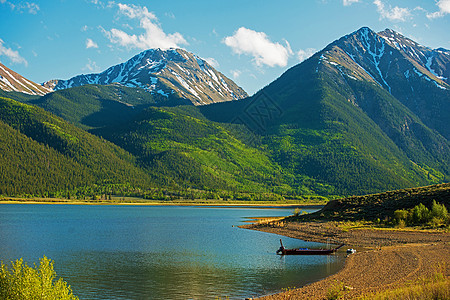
{"x":169,"y":73}
{"x":366,"y":114}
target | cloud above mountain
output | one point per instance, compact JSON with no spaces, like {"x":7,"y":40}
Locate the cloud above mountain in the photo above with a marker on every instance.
{"x":444,"y":8}
{"x":153,"y":35}
{"x":91,"y":44}
{"x":20,"y":6}
{"x":12,"y":55}
{"x":304,"y":54}
{"x":349,"y":2}
{"x":258,"y":45}
{"x":392,"y":13}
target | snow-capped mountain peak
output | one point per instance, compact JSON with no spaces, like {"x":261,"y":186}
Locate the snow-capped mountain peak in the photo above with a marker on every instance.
{"x":435,"y":61}
{"x":12,"y":81}
{"x":416,"y":75}
{"x":166,"y":73}
{"x":368,"y":51}
{"x":382,"y":57}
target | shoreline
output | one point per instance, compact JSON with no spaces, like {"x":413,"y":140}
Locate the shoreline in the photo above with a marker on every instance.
{"x":203,"y":203}
{"x":384,"y":259}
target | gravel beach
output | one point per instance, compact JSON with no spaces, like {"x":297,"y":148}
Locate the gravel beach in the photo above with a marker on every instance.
{"x":389,"y":259}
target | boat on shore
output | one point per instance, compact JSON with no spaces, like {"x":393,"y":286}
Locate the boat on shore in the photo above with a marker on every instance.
{"x":306,"y":251}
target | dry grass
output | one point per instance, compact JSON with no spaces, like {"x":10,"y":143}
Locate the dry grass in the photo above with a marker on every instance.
{"x":430,"y":291}
{"x":435,"y":288}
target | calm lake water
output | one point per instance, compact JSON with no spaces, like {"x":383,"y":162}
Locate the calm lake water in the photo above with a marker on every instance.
{"x":147,"y":252}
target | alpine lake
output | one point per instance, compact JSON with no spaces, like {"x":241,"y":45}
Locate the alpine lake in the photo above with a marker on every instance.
{"x":159,"y":252}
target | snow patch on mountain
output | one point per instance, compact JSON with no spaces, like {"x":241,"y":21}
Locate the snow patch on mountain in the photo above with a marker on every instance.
{"x":6,"y":82}
{"x":11,"y":81}
{"x":428,"y":65}
{"x":365,"y":71}
{"x":377,"y":52}
{"x":407,"y":75}
{"x":186,"y":75}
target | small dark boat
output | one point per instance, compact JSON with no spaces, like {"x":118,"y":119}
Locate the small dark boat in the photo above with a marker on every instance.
{"x":306,"y":251}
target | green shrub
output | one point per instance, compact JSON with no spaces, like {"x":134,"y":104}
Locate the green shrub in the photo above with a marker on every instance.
{"x":336,"y":291}
{"x":400,"y":215}
{"x":438,"y":216}
{"x":439,"y":211}
{"x":420,"y":214}
{"x":25,"y":283}
{"x":401,"y":224}
{"x":299,"y":212}
{"x":436,"y":222}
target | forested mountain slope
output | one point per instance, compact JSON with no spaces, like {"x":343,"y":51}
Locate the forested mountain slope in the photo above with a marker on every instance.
{"x":41,"y":154}
{"x":333,"y":118}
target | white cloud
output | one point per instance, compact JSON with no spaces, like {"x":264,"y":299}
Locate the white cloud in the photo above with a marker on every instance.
{"x":235,"y":74}
{"x":153,"y":36}
{"x":102,"y":4}
{"x":127,"y":26}
{"x":14,"y":56}
{"x":91,"y":66}
{"x":213,"y":62}
{"x":170,"y":15}
{"x":91,"y":44}
{"x":444,"y":5}
{"x":21,"y":6}
{"x":305,"y":54}
{"x":444,"y":8}
{"x":392,"y":14}
{"x":136,"y":12}
{"x":349,"y":2}
{"x":257,"y":44}
{"x":32,"y":8}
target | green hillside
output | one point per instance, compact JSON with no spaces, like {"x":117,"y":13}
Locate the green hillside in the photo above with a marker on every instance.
{"x":314,"y":140}
{"x":21,"y":97}
{"x":358,"y":147}
{"x":348,"y":150}
{"x":43,"y":155}
{"x":93,"y":106}
{"x":383,"y":205}
{"x":182,"y":148}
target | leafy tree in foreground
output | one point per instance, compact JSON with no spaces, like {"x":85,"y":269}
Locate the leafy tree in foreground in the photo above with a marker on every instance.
{"x":23,"y":282}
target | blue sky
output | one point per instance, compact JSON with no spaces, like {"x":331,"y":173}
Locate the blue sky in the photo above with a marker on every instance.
{"x":251,"y":41}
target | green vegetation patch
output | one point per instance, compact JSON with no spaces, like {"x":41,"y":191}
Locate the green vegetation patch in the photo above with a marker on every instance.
{"x":416,"y":206}
{"x":420,"y":215}
{"x":23,"y":282}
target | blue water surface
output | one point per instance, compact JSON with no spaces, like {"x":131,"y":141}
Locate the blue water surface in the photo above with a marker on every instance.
{"x":158,"y":252}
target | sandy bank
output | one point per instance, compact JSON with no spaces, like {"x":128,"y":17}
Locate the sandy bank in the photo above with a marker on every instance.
{"x":390,"y":259}
{"x":242,"y":204}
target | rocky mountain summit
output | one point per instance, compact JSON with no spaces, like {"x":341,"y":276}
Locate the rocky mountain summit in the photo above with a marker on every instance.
{"x":11,"y":81}
{"x":165,"y":73}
